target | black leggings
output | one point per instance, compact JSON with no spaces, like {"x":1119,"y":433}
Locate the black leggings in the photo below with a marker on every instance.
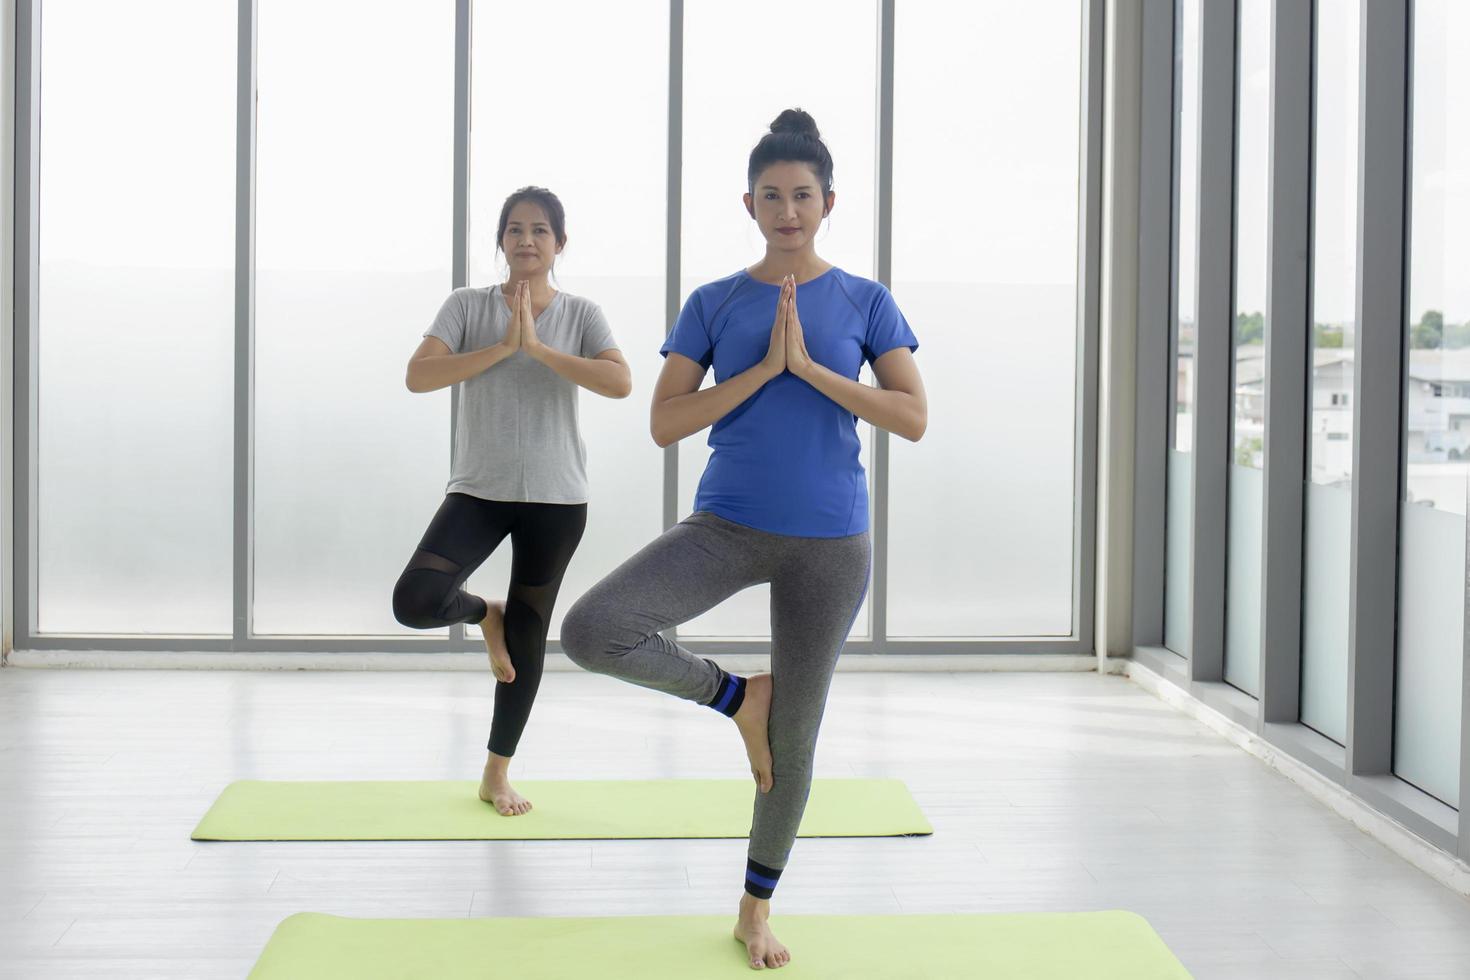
{"x":543,"y":538}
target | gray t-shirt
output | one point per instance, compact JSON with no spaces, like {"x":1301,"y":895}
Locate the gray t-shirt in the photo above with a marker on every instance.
{"x":517,"y":435}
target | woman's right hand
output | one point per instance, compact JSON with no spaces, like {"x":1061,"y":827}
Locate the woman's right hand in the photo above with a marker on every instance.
{"x":515,"y":329}
{"x":775,"y":360}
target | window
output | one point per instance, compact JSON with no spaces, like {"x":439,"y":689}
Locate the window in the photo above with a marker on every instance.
{"x":136,"y":318}
{"x":981,"y":514}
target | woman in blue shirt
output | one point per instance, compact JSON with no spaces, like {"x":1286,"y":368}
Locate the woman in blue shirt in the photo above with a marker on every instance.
{"x":783,"y":499}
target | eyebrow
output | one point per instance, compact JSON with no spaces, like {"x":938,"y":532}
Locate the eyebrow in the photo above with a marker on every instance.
{"x":534,"y":224}
{"x":773,"y":187}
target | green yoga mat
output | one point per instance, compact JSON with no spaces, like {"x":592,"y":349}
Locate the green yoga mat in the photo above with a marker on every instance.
{"x":569,"y":810}
{"x":1030,"y":946}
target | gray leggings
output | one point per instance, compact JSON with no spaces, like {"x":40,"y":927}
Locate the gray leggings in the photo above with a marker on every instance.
{"x":817,"y":587}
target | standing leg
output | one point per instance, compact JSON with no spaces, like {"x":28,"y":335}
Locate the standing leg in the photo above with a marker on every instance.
{"x":543,"y":540}
{"x":815,"y":598}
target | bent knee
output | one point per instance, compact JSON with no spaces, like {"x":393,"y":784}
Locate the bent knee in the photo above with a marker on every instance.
{"x":416,"y":602}
{"x":584,"y":635}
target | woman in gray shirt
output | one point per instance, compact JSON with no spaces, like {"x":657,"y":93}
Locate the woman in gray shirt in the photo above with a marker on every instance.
{"x":518,"y":350}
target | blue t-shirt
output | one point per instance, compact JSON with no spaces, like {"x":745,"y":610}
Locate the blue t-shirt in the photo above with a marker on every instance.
{"x":786,"y":459}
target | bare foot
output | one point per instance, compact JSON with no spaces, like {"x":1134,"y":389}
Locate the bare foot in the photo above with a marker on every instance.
{"x":493,"y":629}
{"x":752,"y":718}
{"x":753,"y":929}
{"x":495,"y":789}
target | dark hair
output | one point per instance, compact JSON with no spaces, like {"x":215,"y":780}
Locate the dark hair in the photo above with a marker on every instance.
{"x":793,"y":138}
{"x":549,"y":203}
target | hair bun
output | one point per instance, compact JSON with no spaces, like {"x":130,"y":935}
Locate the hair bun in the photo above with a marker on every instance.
{"x":796,"y":121}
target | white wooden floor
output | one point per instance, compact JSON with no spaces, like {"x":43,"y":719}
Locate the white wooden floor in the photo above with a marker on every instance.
{"x":1047,"y":792}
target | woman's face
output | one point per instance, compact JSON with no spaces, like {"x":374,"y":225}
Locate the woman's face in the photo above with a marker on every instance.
{"x":788,"y":205}
{"x":529,"y":243}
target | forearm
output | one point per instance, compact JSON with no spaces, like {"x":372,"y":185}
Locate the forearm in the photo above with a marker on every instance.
{"x":433,"y":373}
{"x":899,"y":412}
{"x":683,"y":415}
{"x":608,"y":378}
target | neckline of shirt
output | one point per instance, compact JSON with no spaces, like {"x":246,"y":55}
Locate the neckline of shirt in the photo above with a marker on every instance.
{"x":555,"y":298}
{"x":776,"y":285}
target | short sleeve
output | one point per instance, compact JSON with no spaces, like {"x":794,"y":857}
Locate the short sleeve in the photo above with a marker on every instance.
{"x":449,"y":324}
{"x":690,"y":335}
{"x":887,"y":328}
{"x":596,"y":334}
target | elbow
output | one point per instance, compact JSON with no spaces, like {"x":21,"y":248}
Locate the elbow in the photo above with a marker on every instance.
{"x":410,"y":383}
{"x":623,"y":388}
{"x":657,"y":429}
{"x":662,"y":437}
{"x":916,"y":428}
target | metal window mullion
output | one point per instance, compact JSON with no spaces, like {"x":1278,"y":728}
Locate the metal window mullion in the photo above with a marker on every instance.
{"x":25,"y":320}
{"x":1214,"y":278}
{"x":1152,"y":372}
{"x":883,"y":270}
{"x":1288,"y":357}
{"x":1378,"y":385}
{"x":244,"y":415}
{"x":673,"y":237}
{"x":1089,"y":293}
{"x":459,"y":272}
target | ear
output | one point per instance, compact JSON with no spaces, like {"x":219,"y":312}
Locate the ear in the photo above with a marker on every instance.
{"x":749,"y":200}
{"x":562,"y":245}
{"x":831,"y":203}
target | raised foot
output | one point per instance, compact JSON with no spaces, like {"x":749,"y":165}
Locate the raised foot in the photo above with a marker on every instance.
{"x":753,"y":719}
{"x":492,"y":627}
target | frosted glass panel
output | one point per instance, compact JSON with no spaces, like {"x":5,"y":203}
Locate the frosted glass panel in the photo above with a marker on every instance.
{"x":1432,"y":553}
{"x":1427,"y":686}
{"x":1253,"y":114}
{"x":1180,"y":493}
{"x":137,"y":318}
{"x":1186,"y":216}
{"x":1243,"y":580}
{"x":727,"y":108}
{"x":1248,"y":410}
{"x":985,"y":234}
{"x":1326,"y":560}
{"x":1334,"y":243}
{"x":1177,"y":532}
{"x":615,"y":251}
{"x":1326,"y":582}
{"x":353,"y":250}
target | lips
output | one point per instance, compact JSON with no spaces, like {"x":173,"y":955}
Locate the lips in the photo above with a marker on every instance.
{"x":788,"y":231}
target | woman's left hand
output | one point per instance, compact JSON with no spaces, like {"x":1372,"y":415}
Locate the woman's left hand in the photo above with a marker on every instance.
{"x":798,"y":361}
